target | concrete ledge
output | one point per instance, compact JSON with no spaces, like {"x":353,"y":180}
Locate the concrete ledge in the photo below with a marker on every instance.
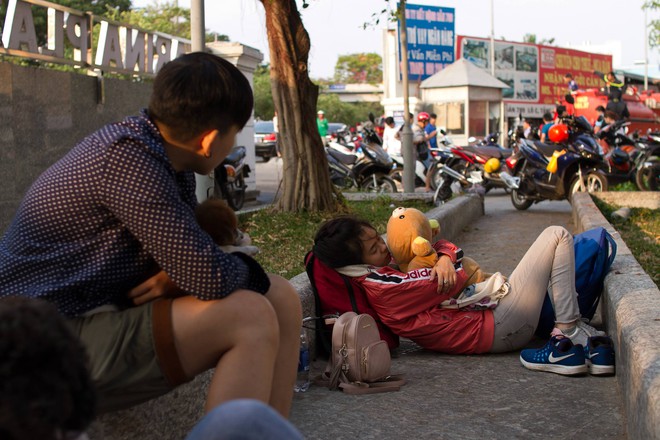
{"x":174,"y":414}
{"x":631,"y":199}
{"x":631,"y":312}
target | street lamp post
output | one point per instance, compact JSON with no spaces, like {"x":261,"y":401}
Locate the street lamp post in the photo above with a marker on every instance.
{"x":406,"y":132}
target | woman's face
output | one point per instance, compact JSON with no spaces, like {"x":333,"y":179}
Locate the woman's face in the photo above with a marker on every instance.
{"x":374,"y":249}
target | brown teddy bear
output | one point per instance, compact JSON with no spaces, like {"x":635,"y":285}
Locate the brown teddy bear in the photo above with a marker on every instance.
{"x":218,"y":220}
{"x":409,"y":238}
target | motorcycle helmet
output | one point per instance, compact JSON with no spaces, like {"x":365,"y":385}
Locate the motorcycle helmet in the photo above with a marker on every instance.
{"x":619,"y":156}
{"x":492,"y":165}
{"x":423,"y":116}
{"x":558,"y":133}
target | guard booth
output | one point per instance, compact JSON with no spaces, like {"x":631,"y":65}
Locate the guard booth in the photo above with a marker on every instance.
{"x":467,"y":100}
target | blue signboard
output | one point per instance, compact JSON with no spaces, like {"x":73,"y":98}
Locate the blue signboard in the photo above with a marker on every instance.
{"x":430,"y":34}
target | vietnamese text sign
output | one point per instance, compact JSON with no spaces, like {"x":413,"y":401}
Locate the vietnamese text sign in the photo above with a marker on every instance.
{"x":430,"y":34}
{"x":534,"y":73}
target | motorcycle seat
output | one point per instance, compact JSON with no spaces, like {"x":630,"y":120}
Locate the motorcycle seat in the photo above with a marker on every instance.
{"x":346,"y":159}
{"x":548,"y":149}
{"x":489,"y":151}
{"x":236,"y":154}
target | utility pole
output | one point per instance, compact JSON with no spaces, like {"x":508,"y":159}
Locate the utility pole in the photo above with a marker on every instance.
{"x":406,"y":132}
{"x":203,"y":183}
{"x":492,"y":38}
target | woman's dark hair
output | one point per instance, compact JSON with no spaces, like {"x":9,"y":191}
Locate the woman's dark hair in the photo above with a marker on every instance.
{"x":337,"y":242}
{"x":45,"y":387}
{"x":200,"y":91}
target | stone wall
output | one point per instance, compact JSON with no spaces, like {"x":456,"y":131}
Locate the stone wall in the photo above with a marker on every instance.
{"x":44,"y":112}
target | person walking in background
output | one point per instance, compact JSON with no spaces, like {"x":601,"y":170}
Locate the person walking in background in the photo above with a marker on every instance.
{"x":391,"y":143}
{"x":322,"y":125}
{"x":432,"y":131}
{"x":276,"y":129}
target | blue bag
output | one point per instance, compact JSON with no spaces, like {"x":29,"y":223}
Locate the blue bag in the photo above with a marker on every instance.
{"x":595,"y":250}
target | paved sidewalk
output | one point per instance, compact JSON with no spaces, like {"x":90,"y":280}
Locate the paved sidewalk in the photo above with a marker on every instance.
{"x":481,"y":396}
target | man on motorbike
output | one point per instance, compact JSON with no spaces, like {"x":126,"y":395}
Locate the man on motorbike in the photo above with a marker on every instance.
{"x":421,"y":145}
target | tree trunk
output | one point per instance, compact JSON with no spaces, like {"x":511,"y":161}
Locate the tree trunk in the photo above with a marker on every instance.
{"x":306,"y":182}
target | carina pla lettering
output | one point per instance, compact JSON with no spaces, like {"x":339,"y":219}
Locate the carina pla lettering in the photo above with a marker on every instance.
{"x":120,"y":48}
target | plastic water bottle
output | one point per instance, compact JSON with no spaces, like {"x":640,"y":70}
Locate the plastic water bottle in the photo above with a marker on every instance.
{"x":302,"y":380}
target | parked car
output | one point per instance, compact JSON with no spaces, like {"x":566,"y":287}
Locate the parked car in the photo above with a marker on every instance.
{"x":265,"y":140}
{"x":334,"y":127}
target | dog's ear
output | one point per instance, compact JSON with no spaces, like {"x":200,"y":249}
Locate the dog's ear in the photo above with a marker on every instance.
{"x":218,"y":220}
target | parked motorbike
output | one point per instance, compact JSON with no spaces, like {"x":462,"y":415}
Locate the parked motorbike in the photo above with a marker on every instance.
{"x":456,"y":158}
{"x":555,"y":171}
{"x":635,"y":160}
{"x":647,"y":176}
{"x":230,"y":178}
{"x":369,"y":173}
{"x":451,"y":181}
{"x":488,"y":156}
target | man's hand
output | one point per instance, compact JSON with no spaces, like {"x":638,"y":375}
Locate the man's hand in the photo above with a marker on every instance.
{"x":445,"y":273}
{"x":158,"y":286}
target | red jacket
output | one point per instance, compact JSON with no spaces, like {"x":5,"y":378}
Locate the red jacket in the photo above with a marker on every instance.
{"x":408,"y":303}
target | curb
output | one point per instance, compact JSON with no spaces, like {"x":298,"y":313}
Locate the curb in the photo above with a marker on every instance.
{"x":174,"y":414}
{"x":631,"y":312}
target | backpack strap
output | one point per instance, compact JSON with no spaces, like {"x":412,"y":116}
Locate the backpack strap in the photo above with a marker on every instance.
{"x":390,"y":383}
{"x":319,"y":322}
{"x":351,"y":293}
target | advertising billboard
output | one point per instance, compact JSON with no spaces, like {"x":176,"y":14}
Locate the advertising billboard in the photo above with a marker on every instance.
{"x":430,"y":34}
{"x":534,"y":73}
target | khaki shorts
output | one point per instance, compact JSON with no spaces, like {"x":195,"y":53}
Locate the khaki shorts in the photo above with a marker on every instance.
{"x":132,"y":354}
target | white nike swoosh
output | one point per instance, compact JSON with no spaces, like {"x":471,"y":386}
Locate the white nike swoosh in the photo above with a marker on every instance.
{"x":554,"y":359}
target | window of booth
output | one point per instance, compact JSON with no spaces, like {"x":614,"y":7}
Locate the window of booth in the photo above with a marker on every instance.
{"x":478,"y":118}
{"x":450,"y":117}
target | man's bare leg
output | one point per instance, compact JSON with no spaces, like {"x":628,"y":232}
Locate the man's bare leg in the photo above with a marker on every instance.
{"x":241,"y":336}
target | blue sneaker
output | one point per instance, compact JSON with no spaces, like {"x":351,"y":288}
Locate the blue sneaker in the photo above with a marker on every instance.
{"x":559,"y":356}
{"x":599,"y":354}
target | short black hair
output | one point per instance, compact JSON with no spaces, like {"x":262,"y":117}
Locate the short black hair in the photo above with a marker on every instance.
{"x":569,"y":98}
{"x":337,"y":242}
{"x":389,"y":120}
{"x":547,"y":117}
{"x":568,"y":75}
{"x":433,"y":115}
{"x":200,"y":91}
{"x":45,"y":387}
{"x":600,"y":108}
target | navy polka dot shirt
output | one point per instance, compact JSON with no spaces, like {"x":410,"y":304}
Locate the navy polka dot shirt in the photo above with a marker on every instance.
{"x":108,"y":215}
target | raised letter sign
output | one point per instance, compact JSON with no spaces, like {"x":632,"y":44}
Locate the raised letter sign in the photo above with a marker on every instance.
{"x":19,"y":27}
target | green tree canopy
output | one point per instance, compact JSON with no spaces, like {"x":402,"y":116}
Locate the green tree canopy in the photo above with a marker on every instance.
{"x":654,"y":25}
{"x":263,"y":95}
{"x":359,"y":68}
{"x":531,"y":38}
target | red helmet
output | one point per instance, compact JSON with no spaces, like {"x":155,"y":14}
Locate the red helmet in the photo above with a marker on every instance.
{"x":423,"y":116}
{"x":558,"y":133}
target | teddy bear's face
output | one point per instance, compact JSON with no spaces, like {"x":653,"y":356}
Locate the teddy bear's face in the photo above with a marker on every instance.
{"x":404,"y":225}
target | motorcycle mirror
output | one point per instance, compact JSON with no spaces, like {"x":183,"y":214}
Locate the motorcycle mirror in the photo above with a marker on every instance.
{"x":372,"y":118}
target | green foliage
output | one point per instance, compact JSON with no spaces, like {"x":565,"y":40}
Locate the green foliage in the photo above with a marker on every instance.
{"x":531,"y":38}
{"x":359,"y":68}
{"x":285,"y":238}
{"x":654,"y":25}
{"x":263,"y":95}
{"x":348,"y":113}
{"x":625,"y":186}
{"x":641,"y":232}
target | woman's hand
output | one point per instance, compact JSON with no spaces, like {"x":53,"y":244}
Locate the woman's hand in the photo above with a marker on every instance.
{"x":159,"y":285}
{"x":446,"y":274}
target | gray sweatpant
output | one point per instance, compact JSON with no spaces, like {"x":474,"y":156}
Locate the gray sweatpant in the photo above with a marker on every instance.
{"x":550,"y":261}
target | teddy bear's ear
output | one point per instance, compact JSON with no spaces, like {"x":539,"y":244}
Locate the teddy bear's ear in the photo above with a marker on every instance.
{"x":435,"y":227}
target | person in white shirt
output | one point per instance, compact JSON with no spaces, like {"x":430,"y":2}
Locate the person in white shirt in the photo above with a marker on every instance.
{"x":391,"y":143}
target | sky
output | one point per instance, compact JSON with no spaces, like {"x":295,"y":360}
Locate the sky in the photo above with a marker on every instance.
{"x":335,"y":26}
